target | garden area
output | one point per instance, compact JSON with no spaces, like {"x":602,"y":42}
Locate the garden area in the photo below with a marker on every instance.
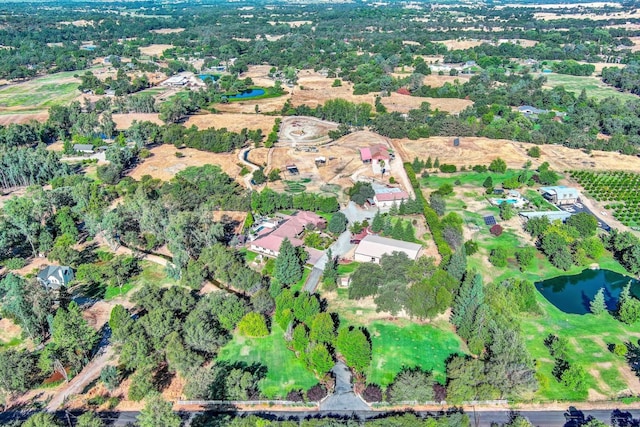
{"x":296,"y":187}
{"x":618,"y":190}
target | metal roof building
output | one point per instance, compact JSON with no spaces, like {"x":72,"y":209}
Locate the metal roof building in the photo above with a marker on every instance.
{"x":551,"y":215}
{"x":371,"y":248}
{"x":560,"y":194}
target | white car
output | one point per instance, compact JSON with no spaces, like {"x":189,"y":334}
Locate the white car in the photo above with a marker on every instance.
{"x":578,"y":205}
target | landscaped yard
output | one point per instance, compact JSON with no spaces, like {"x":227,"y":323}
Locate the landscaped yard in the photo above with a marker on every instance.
{"x":589,"y":337}
{"x":408,"y":345}
{"x":284,"y":371}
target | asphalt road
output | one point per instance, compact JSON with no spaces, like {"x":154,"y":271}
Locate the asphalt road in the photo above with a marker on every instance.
{"x":478,"y":418}
{"x":576,"y":209}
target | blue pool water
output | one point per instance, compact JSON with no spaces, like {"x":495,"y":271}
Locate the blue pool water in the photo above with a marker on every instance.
{"x":573,"y":294}
{"x":509,"y":201}
{"x":247,"y":94}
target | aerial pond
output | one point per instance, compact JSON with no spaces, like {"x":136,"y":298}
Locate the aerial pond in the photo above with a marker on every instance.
{"x":572,"y":294}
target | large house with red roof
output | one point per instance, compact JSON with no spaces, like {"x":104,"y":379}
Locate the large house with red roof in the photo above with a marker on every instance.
{"x":291,"y":227}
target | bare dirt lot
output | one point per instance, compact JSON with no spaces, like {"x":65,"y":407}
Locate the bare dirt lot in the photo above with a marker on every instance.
{"x":163,"y":163}
{"x":124,"y":121}
{"x":342,"y":168}
{"x":154,"y":49}
{"x":232,"y":121}
{"x":481,"y":151}
{"x":404,"y":103}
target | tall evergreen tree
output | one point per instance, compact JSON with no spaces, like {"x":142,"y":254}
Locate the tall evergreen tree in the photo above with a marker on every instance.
{"x":377,"y":223}
{"x":458,"y":264}
{"x":330,"y":273}
{"x":288,"y":269}
{"x":598,"y":305}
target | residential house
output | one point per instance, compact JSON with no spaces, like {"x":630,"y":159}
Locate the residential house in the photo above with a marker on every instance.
{"x":387,"y":197}
{"x":560,"y":195}
{"x":270,"y":240}
{"x":372,"y":247}
{"x":54,"y":277}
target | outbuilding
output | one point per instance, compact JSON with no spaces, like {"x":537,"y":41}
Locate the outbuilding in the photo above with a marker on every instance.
{"x":371,"y":248}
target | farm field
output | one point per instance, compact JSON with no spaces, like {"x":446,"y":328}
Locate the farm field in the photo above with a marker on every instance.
{"x":404,"y":103}
{"x":124,"y":121}
{"x":154,"y":49}
{"x":594,"y":86}
{"x":617,"y":190}
{"x":163,"y":163}
{"x":284,"y":371}
{"x":39,"y":94}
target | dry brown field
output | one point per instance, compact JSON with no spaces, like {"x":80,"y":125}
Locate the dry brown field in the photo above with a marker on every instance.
{"x":481,"y":151}
{"x":155,"y":49}
{"x":317,"y":90}
{"x":404,"y":103}
{"x":549,"y":16}
{"x":461,"y":44}
{"x":21,"y":118}
{"x":232,"y":121}
{"x":124,"y":121}
{"x":435,"y":80}
{"x":163,"y":163}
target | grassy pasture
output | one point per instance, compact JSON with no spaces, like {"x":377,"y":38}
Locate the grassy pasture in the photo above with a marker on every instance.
{"x":594,"y":86}
{"x":39,"y":94}
{"x":284,"y":371}
{"x":152,"y":274}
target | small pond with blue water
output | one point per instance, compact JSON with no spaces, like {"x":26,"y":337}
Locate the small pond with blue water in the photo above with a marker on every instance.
{"x":247,"y":94}
{"x":572,"y":294}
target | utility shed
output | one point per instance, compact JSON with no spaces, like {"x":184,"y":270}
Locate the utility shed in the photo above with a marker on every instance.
{"x":371,"y":248}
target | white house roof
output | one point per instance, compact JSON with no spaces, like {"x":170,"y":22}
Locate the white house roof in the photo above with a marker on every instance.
{"x":376,"y":246}
{"x":561,"y":192}
{"x":551,"y":215}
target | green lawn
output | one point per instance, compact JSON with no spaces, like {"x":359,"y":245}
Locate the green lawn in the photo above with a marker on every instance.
{"x":41,"y":93}
{"x":466,"y":178}
{"x":588,"y":336}
{"x":249,"y":256}
{"x":410,"y":345}
{"x":594,"y":86}
{"x":152,"y":274}
{"x":344,"y":269}
{"x":284,"y":371}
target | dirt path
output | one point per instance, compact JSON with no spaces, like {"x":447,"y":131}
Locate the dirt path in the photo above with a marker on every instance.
{"x":398,"y":169}
{"x":84,"y":378}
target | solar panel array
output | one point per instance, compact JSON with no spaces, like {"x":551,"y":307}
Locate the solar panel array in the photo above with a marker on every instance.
{"x":490,"y":220}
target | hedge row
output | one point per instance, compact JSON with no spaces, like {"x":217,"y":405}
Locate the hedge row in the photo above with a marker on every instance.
{"x":435,"y":226}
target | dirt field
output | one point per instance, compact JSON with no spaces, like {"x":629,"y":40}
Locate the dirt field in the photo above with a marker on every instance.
{"x":404,"y":103}
{"x":167,"y":30}
{"x":481,"y":151}
{"x":163,"y":164}
{"x":232,"y":121}
{"x":155,"y":49}
{"x":124,"y":121}
{"x":343,"y":165}
{"x":305,"y":130}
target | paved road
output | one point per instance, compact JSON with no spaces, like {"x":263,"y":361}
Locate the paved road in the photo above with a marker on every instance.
{"x":583,"y":208}
{"x":478,"y":418}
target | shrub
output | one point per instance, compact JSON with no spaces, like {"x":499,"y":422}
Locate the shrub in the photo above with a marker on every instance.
{"x":534,"y":152}
{"x":253,"y":325}
{"x":179,"y":154}
{"x":295,"y":396}
{"x":15,"y":263}
{"x":498,"y":257}
{"x":445,"y":168}
{"x":316,"y":393}
{"x":372,"y":393}
{"x":620,"y":350}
